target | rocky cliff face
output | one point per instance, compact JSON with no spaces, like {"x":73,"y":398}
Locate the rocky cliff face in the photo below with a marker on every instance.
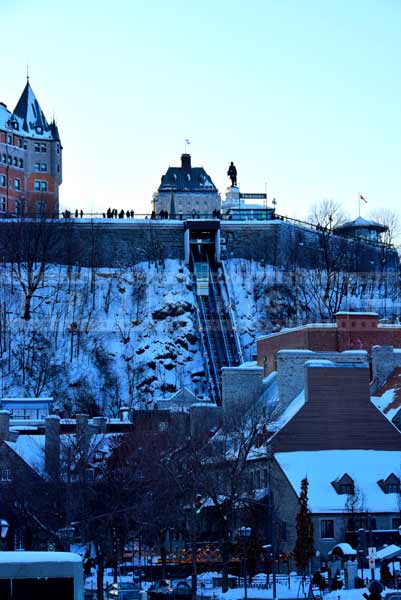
{"x":101,"y":338}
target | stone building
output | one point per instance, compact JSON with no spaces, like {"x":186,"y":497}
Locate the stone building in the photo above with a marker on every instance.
{"x":30,"y":159}
{"x":186,"y":191}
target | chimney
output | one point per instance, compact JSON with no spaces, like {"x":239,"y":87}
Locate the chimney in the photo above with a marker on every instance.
{"x":52,"y":445}
{"x":100,"y":424}
{"x":337,"y":385}
{"x":4,"y":424}
{"x":82,"y":426}
{"x":186,"y":162}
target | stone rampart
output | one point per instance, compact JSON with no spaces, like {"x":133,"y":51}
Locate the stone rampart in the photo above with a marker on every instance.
{"x":121,"y":242}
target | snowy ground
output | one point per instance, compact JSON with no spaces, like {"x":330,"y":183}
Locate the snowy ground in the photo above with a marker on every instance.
{"x":101,"y":339}
{"x":266,"y":299}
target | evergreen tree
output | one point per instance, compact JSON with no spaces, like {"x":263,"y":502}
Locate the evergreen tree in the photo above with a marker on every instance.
{"x":303,"y":551}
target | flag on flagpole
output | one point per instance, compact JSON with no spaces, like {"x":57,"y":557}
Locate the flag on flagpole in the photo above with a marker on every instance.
{"x":362,"y":198}
{"x":187,"y":141}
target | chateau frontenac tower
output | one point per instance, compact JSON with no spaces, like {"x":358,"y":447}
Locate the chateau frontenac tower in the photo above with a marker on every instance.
{"x":186,"y":191}
{"x":30,"y":159}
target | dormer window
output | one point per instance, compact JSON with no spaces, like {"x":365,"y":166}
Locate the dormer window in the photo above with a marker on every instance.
{"x":391,"y":485}
{"x":344,"y":485}
{"x":39,"y":130}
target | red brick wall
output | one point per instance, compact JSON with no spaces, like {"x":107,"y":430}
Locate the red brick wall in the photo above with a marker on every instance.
{"x":353,"y":332}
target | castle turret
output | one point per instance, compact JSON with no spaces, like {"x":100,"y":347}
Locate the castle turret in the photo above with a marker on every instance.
{"x":30,"y":159}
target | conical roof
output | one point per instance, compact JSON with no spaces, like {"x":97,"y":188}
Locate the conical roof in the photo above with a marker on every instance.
{"x":30,"y":115}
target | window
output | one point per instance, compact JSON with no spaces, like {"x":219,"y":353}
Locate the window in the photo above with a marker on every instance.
{"x":21,"y":163}
{"x":39,"y":185}
{"x":43,"y":148}
{"x":18,"y":413}
{"x":98,"y":456}
{"x":43,"y":167}
{"x":392,"y":488}
{"x":3,"y":204}
{"x":37,"y":147}
{"x":327,"y":528}
{"x":9,"y":159}
{"x":346,"y":488}
{"x":37,"y":167}
{"x":58,"y":148}
{"x":17,"y":184}
{"x":5,"y":475}
{"x":9,"y":139}
{"x":4,"y":158}
{"x":3,"y":180}
{"x":395,"y":523}
{"x":15,"y":161}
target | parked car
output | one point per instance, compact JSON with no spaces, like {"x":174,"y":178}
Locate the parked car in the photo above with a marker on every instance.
{"x":161,"y":590}
{"x":392,"y":596}
{"x":123,"y":590}
{"x":182,"y":590}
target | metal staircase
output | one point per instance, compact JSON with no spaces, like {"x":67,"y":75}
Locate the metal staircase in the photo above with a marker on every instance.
{"x":219,"y":338}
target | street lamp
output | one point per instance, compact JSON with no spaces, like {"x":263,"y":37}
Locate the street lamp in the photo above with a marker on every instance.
{"x":244,"y":535}
{"x":4,"y":526}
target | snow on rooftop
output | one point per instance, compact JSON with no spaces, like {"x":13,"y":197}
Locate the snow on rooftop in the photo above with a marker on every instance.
{"x":289,"y":412}
{"x":390,"y":551}
{"x":344,"y":547}
{"x":365,"y":467}
{"x":38,"y":557}
{"x":384,"y":402}
{"x":31,"y":448}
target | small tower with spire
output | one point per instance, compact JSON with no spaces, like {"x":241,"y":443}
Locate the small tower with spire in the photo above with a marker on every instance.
{"x":30,"y":158}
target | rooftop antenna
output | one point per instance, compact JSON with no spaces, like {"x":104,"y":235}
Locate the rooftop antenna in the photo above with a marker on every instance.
{"x":187,"y":142}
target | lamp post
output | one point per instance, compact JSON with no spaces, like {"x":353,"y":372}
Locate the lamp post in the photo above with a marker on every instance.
{"x":4,"y":526}
{"x":244,"y":535}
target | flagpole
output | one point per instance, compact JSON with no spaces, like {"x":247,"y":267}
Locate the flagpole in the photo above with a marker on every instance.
{"x":359,"y":202}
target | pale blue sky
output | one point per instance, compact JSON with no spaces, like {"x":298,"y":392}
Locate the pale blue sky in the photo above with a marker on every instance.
{"x":304,"y":95}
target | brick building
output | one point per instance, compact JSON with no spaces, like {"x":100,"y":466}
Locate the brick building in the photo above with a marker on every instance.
{"x":30,"y":159}
{"x":351,"y":331}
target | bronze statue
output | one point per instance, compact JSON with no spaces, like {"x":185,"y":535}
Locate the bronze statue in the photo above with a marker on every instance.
{"x":232,"y":173}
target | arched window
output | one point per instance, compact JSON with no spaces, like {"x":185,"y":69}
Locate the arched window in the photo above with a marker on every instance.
{"x":21,"y":163}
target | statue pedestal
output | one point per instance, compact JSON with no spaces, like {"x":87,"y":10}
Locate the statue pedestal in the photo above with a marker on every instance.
{"x":232,"y":200}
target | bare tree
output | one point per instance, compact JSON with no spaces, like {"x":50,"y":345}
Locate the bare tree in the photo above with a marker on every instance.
{"x":391,"y":219}
{"x":29,"y":244}
{"x":327,"y":213}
